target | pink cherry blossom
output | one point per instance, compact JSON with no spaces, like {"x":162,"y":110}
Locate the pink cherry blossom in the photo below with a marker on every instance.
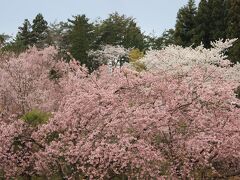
{"x":173,"y":121}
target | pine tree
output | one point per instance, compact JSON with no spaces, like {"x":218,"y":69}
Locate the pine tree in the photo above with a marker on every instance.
{"x":185,"y":24}
{"x":81,"y":38}
{"x":24,"y":34}
{"x":203,"y":22}
{"x":233,"y":30}
{"x":39,"y":30}
{"x":233,"y":18}
{"x":210,"y":22}
{"x":120,"y":30}
{"x":218,"y":19}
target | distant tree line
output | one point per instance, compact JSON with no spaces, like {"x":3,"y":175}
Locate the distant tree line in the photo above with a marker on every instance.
{"x":210,"y":20}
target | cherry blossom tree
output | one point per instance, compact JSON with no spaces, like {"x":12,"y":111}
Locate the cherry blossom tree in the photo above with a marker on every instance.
{"x":113,"y":56}
{"x":32,"y":80}
{"x":143,"y":126}
{"x":174,"y":121}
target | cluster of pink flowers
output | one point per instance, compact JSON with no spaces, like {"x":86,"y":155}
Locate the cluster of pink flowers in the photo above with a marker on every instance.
{"x":126,"y":124}
{"x":32,"y":80}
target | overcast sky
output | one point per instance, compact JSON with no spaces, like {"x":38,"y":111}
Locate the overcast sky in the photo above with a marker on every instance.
{"x":151,"y":15}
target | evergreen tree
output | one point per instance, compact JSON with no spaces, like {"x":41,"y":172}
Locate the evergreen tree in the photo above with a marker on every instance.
{"x":24,"y":34}
{"x":233,"y":29}
{"x":203,"y":22}
{"x":218,"y":19}
{"x":39,"y":33}
{"x":81,"y":38}
{"x":120,"y":30}
{"x":210,"y":22}
{"x":29,"y":35}
{"x":233,"y":18}
{"x":22,"y":40}
{"x":185,"y":24}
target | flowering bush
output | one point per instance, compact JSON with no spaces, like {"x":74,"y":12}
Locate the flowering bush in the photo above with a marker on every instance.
{"x":155,"y":124}
{"x":32,"y":81}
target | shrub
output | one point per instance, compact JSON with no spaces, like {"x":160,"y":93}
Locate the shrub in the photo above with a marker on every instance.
{"x":36,"y":117}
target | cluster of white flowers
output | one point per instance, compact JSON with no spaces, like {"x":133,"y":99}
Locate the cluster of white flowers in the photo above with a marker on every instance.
{"x":179,"y":60}
{"x":113,"y":56}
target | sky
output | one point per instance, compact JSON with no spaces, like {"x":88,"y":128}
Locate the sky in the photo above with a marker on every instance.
{"x":153,"y":16}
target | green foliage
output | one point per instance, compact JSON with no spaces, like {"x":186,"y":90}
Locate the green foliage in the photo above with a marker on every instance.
{"x":185,"y":24}
{"x":167,"y":38}
{"x":203,"y":21}
{"x":39,"y":32}
{"x":233,"y":29}
{"x":210,"y":22}
{"x":233,"y":18}
{"x":120,"y":30}
{"x":30,"y":35}
{"x":218,"y":19}
{"x":139,"y":66}
{"x":213,"y":20}
{"x":234,"y":52}
{"x":16,"y":47}
{"x":21,"y":41}
{"x":24,"y":34}
{"x":81,"y":37}
{"x":134,"y":56}
{"x":36,"y":117}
